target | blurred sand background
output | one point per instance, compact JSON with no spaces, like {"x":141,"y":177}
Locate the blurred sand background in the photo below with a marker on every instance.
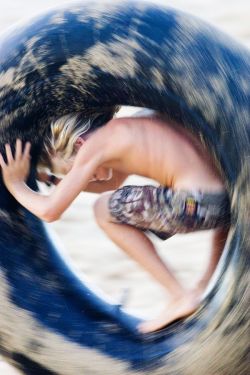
{"x":89,"y":251}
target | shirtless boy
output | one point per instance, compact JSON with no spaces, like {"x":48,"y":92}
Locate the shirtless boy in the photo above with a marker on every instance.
{"x":190,"y":195}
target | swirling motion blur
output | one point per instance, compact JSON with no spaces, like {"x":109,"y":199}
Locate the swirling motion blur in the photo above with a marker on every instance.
{"x":98,"y":55}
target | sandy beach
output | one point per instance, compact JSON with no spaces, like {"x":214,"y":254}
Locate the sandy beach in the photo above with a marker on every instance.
{"x":90,"y":252}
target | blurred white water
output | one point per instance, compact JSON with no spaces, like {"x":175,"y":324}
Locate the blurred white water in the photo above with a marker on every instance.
{"x":84,"y":242}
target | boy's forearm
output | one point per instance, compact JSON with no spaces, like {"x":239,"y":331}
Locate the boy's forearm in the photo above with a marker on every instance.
{"x":50,"y":208}
{"x":36,"y":203}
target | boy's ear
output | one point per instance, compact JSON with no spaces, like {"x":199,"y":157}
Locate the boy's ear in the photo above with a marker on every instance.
{"x":79,"y":142}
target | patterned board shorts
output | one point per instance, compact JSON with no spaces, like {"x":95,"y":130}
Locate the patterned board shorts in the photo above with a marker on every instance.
{"x":165,"y":212}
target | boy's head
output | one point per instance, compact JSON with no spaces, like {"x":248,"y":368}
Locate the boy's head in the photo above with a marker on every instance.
{"x":66,"y":136}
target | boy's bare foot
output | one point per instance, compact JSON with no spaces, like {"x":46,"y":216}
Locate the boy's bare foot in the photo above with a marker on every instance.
{"x":176,"y":309}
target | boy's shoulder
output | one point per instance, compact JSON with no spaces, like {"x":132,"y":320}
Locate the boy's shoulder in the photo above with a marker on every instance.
{"x":117,"y":128}
{"x":122,"y":130}
{"x":110,"y":140}
{"x":117,"y":132}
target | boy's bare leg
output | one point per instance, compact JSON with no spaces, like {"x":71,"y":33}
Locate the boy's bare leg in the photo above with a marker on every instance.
{"x":191,"y":300}
{"x":218,"y":243}
{"x":137,"y":245}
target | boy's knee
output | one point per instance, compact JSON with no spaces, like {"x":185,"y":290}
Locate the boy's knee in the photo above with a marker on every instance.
{"x":101,"y":209}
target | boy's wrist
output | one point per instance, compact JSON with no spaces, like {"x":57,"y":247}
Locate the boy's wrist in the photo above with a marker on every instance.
{"x":16,"y":187}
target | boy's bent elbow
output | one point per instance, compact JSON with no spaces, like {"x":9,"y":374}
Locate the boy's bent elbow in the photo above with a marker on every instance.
{"x":49,"y":216}
{"x":50,"y":219}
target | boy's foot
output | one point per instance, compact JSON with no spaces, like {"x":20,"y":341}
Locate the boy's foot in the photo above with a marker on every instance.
{"x":176,"y":309}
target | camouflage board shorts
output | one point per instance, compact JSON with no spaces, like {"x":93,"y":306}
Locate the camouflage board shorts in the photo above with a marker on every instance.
{"x":165,"y":211}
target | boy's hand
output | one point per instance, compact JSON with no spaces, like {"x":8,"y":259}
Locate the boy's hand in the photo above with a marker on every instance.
{"x":17,"y":168}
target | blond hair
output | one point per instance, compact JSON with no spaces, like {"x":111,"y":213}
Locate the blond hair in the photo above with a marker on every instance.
{"x":64,"y":132}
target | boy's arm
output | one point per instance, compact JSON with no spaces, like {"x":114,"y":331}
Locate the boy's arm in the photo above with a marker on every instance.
{"x":98,"y":150}
{"x":49,"y":208}
{"x":107,"y":144}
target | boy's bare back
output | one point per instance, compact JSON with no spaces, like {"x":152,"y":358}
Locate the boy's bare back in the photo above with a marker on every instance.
{"x":163,"y":151}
